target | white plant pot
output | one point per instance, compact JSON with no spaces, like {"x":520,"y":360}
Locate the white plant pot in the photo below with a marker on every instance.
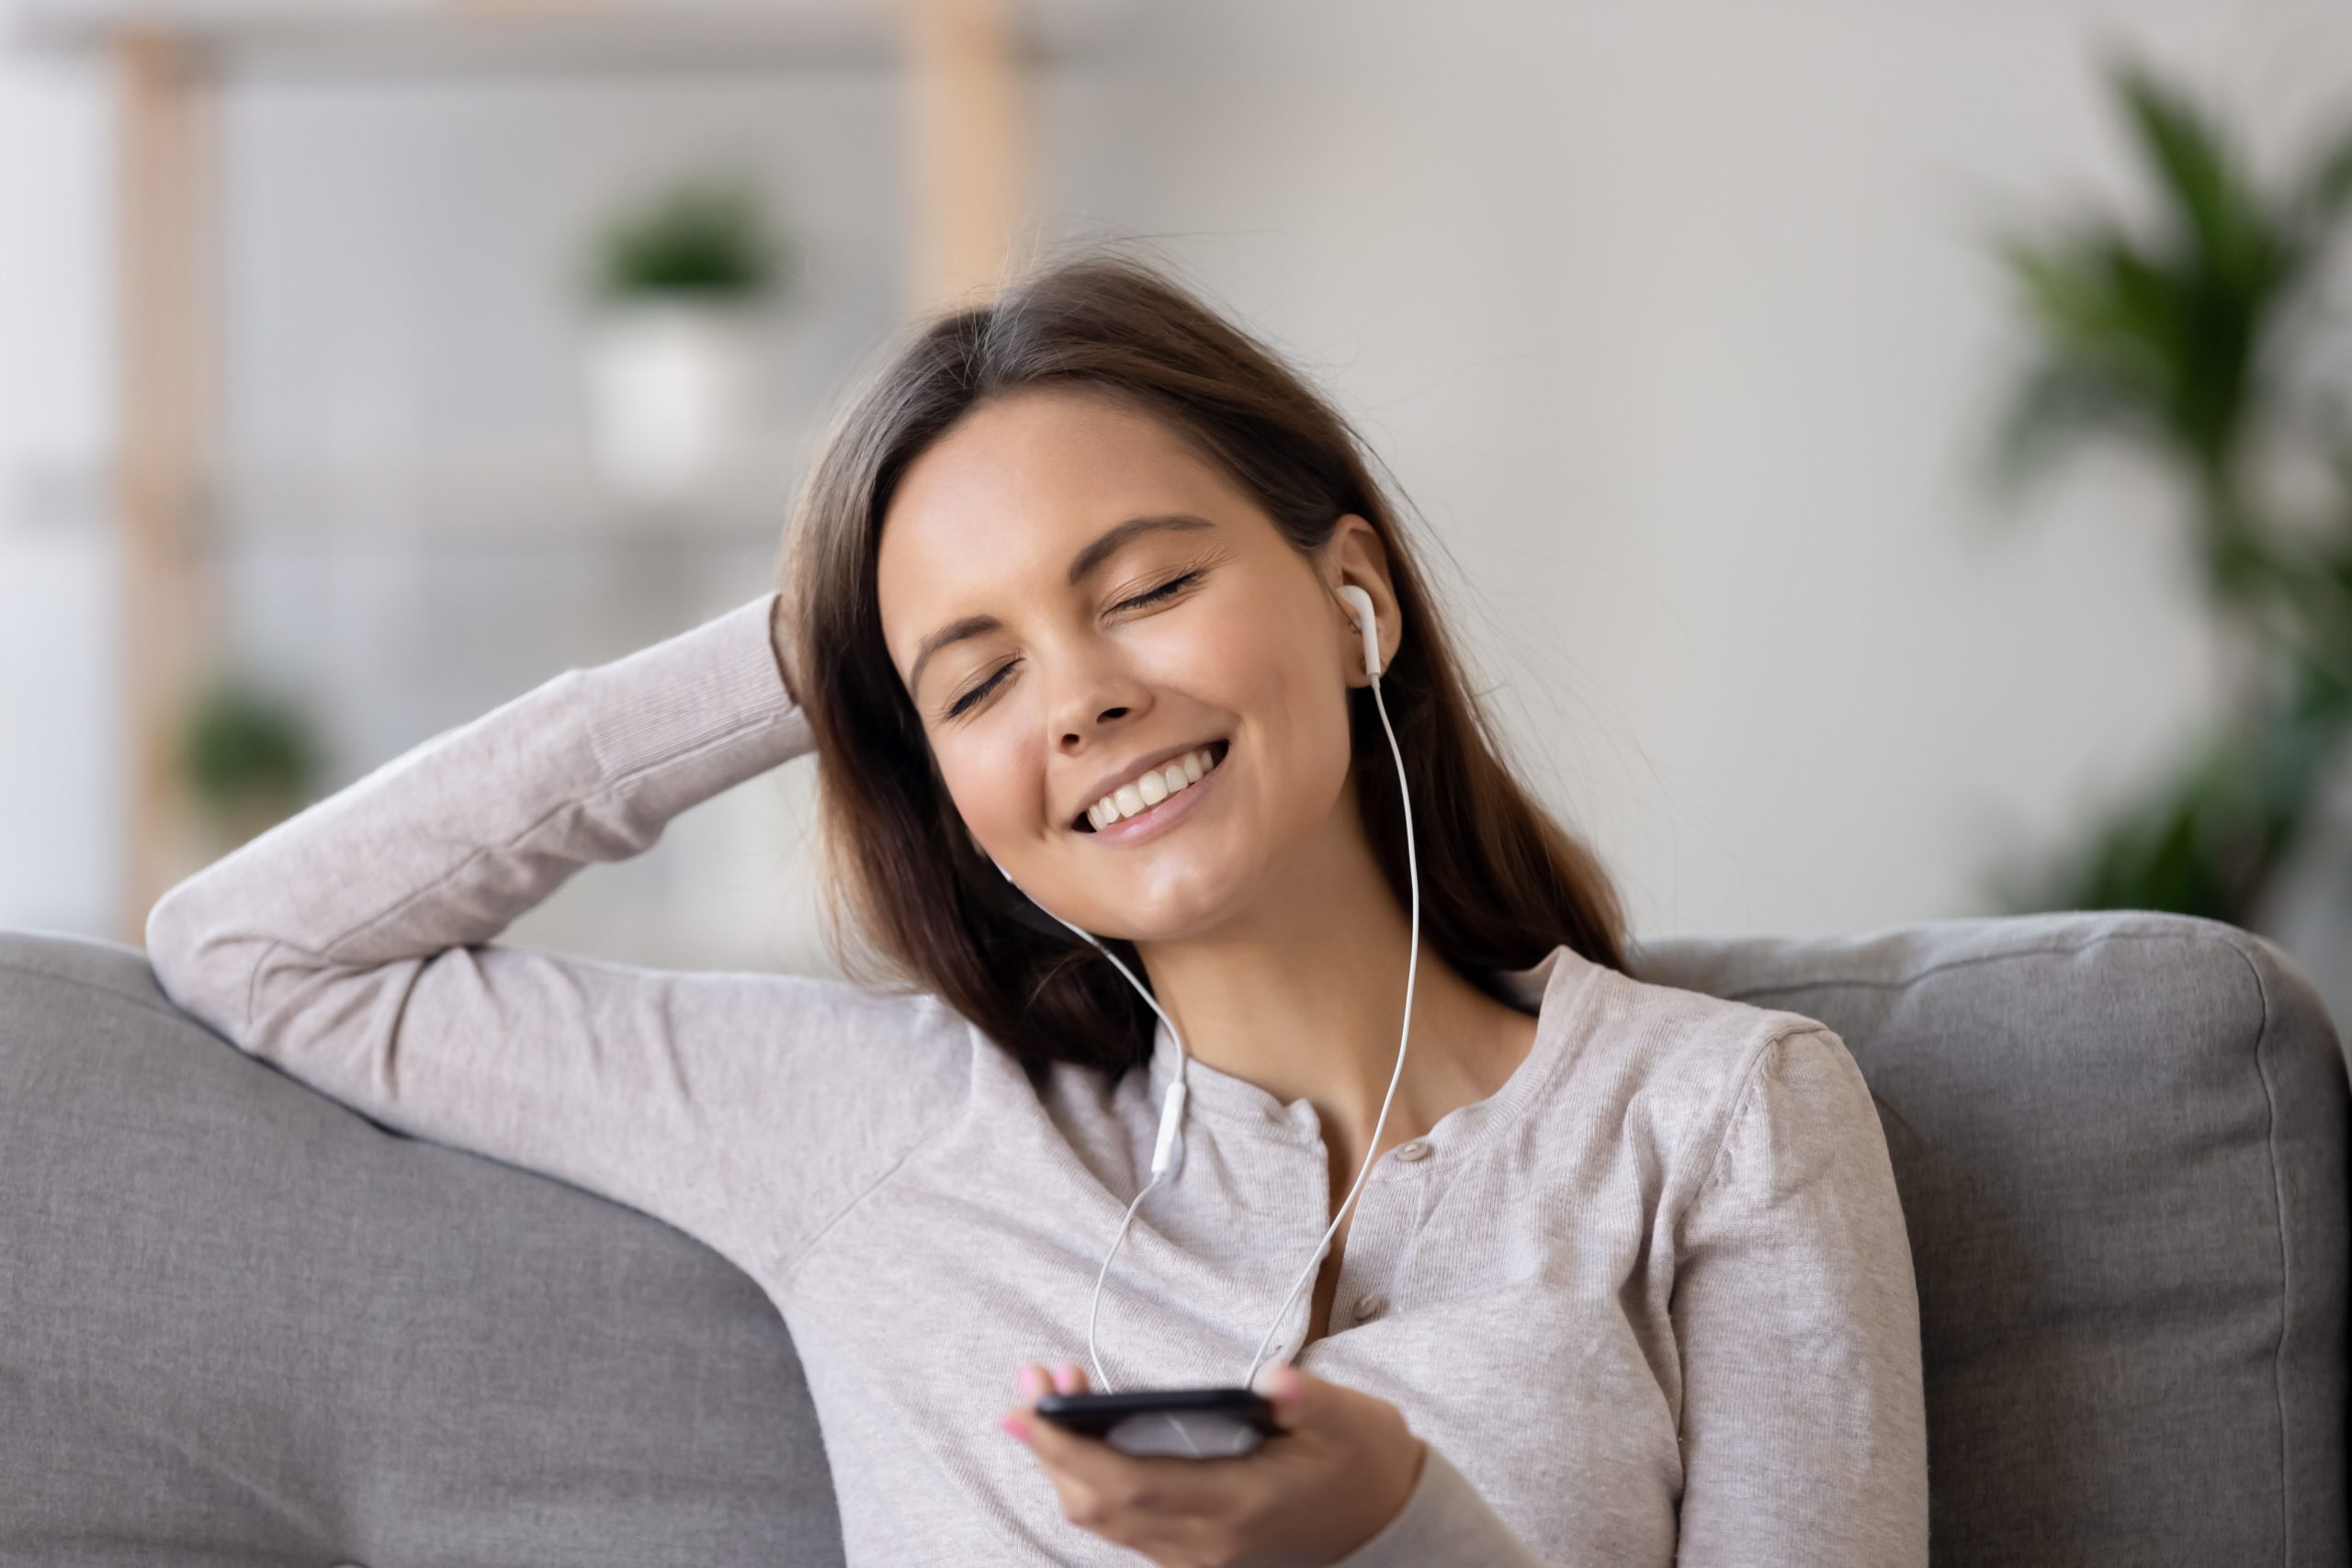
{"x":675,"y":394}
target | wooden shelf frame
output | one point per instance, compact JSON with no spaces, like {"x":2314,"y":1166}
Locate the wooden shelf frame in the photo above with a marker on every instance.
{"x":970,"y":189}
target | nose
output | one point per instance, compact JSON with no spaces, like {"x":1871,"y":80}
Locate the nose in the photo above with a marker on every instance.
{"x":1072,"y":740}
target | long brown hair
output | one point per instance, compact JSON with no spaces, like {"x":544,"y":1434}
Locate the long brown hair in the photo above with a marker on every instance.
{"x":1501,"y":882}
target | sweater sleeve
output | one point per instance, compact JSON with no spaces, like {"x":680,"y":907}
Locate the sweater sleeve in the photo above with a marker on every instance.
{"x":350,"y":946}
{"x":1804,"y":1421}
{"x":1445,"y":1524}
{"x":1805,"y":1432}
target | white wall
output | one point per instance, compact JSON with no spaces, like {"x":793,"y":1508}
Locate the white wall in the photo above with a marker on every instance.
{"x":59,"y":745}
{"x":1673,"y":318}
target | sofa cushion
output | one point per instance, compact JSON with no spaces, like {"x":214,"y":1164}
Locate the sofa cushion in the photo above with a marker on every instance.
{"x":247,"y":1326}
{"x":2120,"y":1140}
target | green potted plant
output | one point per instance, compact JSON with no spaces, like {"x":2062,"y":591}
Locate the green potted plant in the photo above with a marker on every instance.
{"x":248,"y":759}
{"x":681,"y":286}
{"x":2186,"y":341}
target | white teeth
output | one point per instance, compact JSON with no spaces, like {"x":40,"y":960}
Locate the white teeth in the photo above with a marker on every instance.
{"x":1149,"y":789}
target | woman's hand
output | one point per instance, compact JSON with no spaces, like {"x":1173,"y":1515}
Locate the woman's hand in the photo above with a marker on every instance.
{"x":1340,"y":1470}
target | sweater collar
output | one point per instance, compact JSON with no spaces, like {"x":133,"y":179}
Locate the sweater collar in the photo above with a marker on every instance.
{"x":1556,"y":988}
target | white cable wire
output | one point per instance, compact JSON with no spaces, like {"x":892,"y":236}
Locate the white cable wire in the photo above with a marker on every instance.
{"x":1094,"y":1305}
{"x":1183,"y":1059}
{"x":1101,"y":1379}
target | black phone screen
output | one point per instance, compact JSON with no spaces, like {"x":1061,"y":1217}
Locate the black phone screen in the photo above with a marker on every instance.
{"x":1187,"y":1423}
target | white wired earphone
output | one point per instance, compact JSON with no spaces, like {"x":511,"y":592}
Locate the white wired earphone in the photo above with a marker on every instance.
{"x":1171,"y":1115}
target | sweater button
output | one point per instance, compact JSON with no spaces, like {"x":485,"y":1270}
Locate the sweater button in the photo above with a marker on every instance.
{"x":1415,"y":1150}
{"x":1370,"y":1306}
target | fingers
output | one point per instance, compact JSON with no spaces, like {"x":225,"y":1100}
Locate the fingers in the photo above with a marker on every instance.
{"x":1298,"y":1396}
{"x":1305,"y":1403}
{"x":1034,"y":1382}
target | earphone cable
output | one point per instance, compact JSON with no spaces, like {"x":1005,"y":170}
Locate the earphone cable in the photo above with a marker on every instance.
{"x":1094,"y":1303}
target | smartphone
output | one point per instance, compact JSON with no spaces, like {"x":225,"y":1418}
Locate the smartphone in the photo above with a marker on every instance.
{"x":1187,"y":1423}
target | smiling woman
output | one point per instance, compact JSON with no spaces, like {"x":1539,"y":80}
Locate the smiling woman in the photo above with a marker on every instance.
{"x":1073,"y":587}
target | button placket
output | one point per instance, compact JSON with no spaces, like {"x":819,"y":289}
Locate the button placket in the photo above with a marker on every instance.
{"x":1375,"y":1239}
{"x":1315,"y":1198}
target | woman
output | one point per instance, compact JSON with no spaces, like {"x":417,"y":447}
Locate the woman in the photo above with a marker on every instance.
{"x":1628,"y":1282}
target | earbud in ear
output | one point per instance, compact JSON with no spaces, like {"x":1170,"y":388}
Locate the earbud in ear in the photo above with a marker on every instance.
{"x":1367,"y":623}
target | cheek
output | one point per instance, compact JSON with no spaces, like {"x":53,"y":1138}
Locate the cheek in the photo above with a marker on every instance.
{"x":990,"y":790}
{"x":1298,"y":710}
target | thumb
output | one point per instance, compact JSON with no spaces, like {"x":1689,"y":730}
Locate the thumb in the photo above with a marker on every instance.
{"x":1299,"y":1397}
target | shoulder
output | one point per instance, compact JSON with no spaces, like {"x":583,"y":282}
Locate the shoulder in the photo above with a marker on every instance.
{"x":845,"y":1060}
{"x":1681,"y":1070}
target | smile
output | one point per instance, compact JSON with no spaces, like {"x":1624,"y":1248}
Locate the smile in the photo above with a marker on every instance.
{"x":1146,"y":807}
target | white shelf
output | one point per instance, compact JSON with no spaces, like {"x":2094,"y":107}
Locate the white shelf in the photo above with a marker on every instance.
{"x":394,"y":38}
{"x":530,"y":500}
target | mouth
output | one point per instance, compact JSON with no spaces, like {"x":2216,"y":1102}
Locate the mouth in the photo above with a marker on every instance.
{"x":1131,"y":823}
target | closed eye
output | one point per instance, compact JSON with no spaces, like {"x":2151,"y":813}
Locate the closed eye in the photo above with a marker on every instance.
{"x":1154,"y":596}
{"x":1162,"y":592}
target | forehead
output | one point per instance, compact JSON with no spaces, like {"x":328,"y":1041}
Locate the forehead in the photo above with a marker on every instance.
{"x":1016,"y":487}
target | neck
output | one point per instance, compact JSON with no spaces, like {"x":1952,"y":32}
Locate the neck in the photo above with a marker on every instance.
{"x":1304,"y":996}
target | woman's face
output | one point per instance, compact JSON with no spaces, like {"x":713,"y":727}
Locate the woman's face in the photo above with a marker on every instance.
{"x":1092,"y":645}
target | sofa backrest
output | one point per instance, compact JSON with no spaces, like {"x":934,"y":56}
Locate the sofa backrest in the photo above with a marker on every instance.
{"x":251,"y":1324}
{"x":2119,"y":1140}
{"x":247,"y":1325}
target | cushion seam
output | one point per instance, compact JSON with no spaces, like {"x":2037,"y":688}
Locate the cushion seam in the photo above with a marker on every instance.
{"x":2262,"y":1037}
{"x":164,"y":1011}
{"x":1859,"y":984}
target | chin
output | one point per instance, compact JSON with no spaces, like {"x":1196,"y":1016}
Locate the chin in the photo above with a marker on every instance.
{"x":1185,"y":901}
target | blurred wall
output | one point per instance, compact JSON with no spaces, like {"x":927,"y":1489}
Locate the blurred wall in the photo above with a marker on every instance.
{"x":1675,"y":321}
{"x":59,"y":745}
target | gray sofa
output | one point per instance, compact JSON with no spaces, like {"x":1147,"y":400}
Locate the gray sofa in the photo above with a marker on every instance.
{"x":247,"y":1326}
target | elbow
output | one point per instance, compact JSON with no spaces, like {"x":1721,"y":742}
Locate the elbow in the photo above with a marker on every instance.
{"x":203,"y":963}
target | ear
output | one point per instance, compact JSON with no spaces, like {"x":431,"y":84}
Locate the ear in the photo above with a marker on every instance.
{"x":1354,"y":553}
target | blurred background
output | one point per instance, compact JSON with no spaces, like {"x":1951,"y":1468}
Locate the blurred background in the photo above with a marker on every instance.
{"x":1889,"y":462}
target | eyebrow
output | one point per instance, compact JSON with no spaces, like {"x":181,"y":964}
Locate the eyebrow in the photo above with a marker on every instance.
{"x":1083,"y":565}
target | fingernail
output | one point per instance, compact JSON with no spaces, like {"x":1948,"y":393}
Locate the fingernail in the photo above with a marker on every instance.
{"x":1015,"y":1427}
{"x":1033,"y":1381}
{"x":1066,"y":1376}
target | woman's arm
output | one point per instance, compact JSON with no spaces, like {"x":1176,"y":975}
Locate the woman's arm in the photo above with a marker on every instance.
{"x":1805,"y":1432}
{"x":1804,"y":1438}
{"x":1446,"y":1522}
{"x":350,"y":945}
